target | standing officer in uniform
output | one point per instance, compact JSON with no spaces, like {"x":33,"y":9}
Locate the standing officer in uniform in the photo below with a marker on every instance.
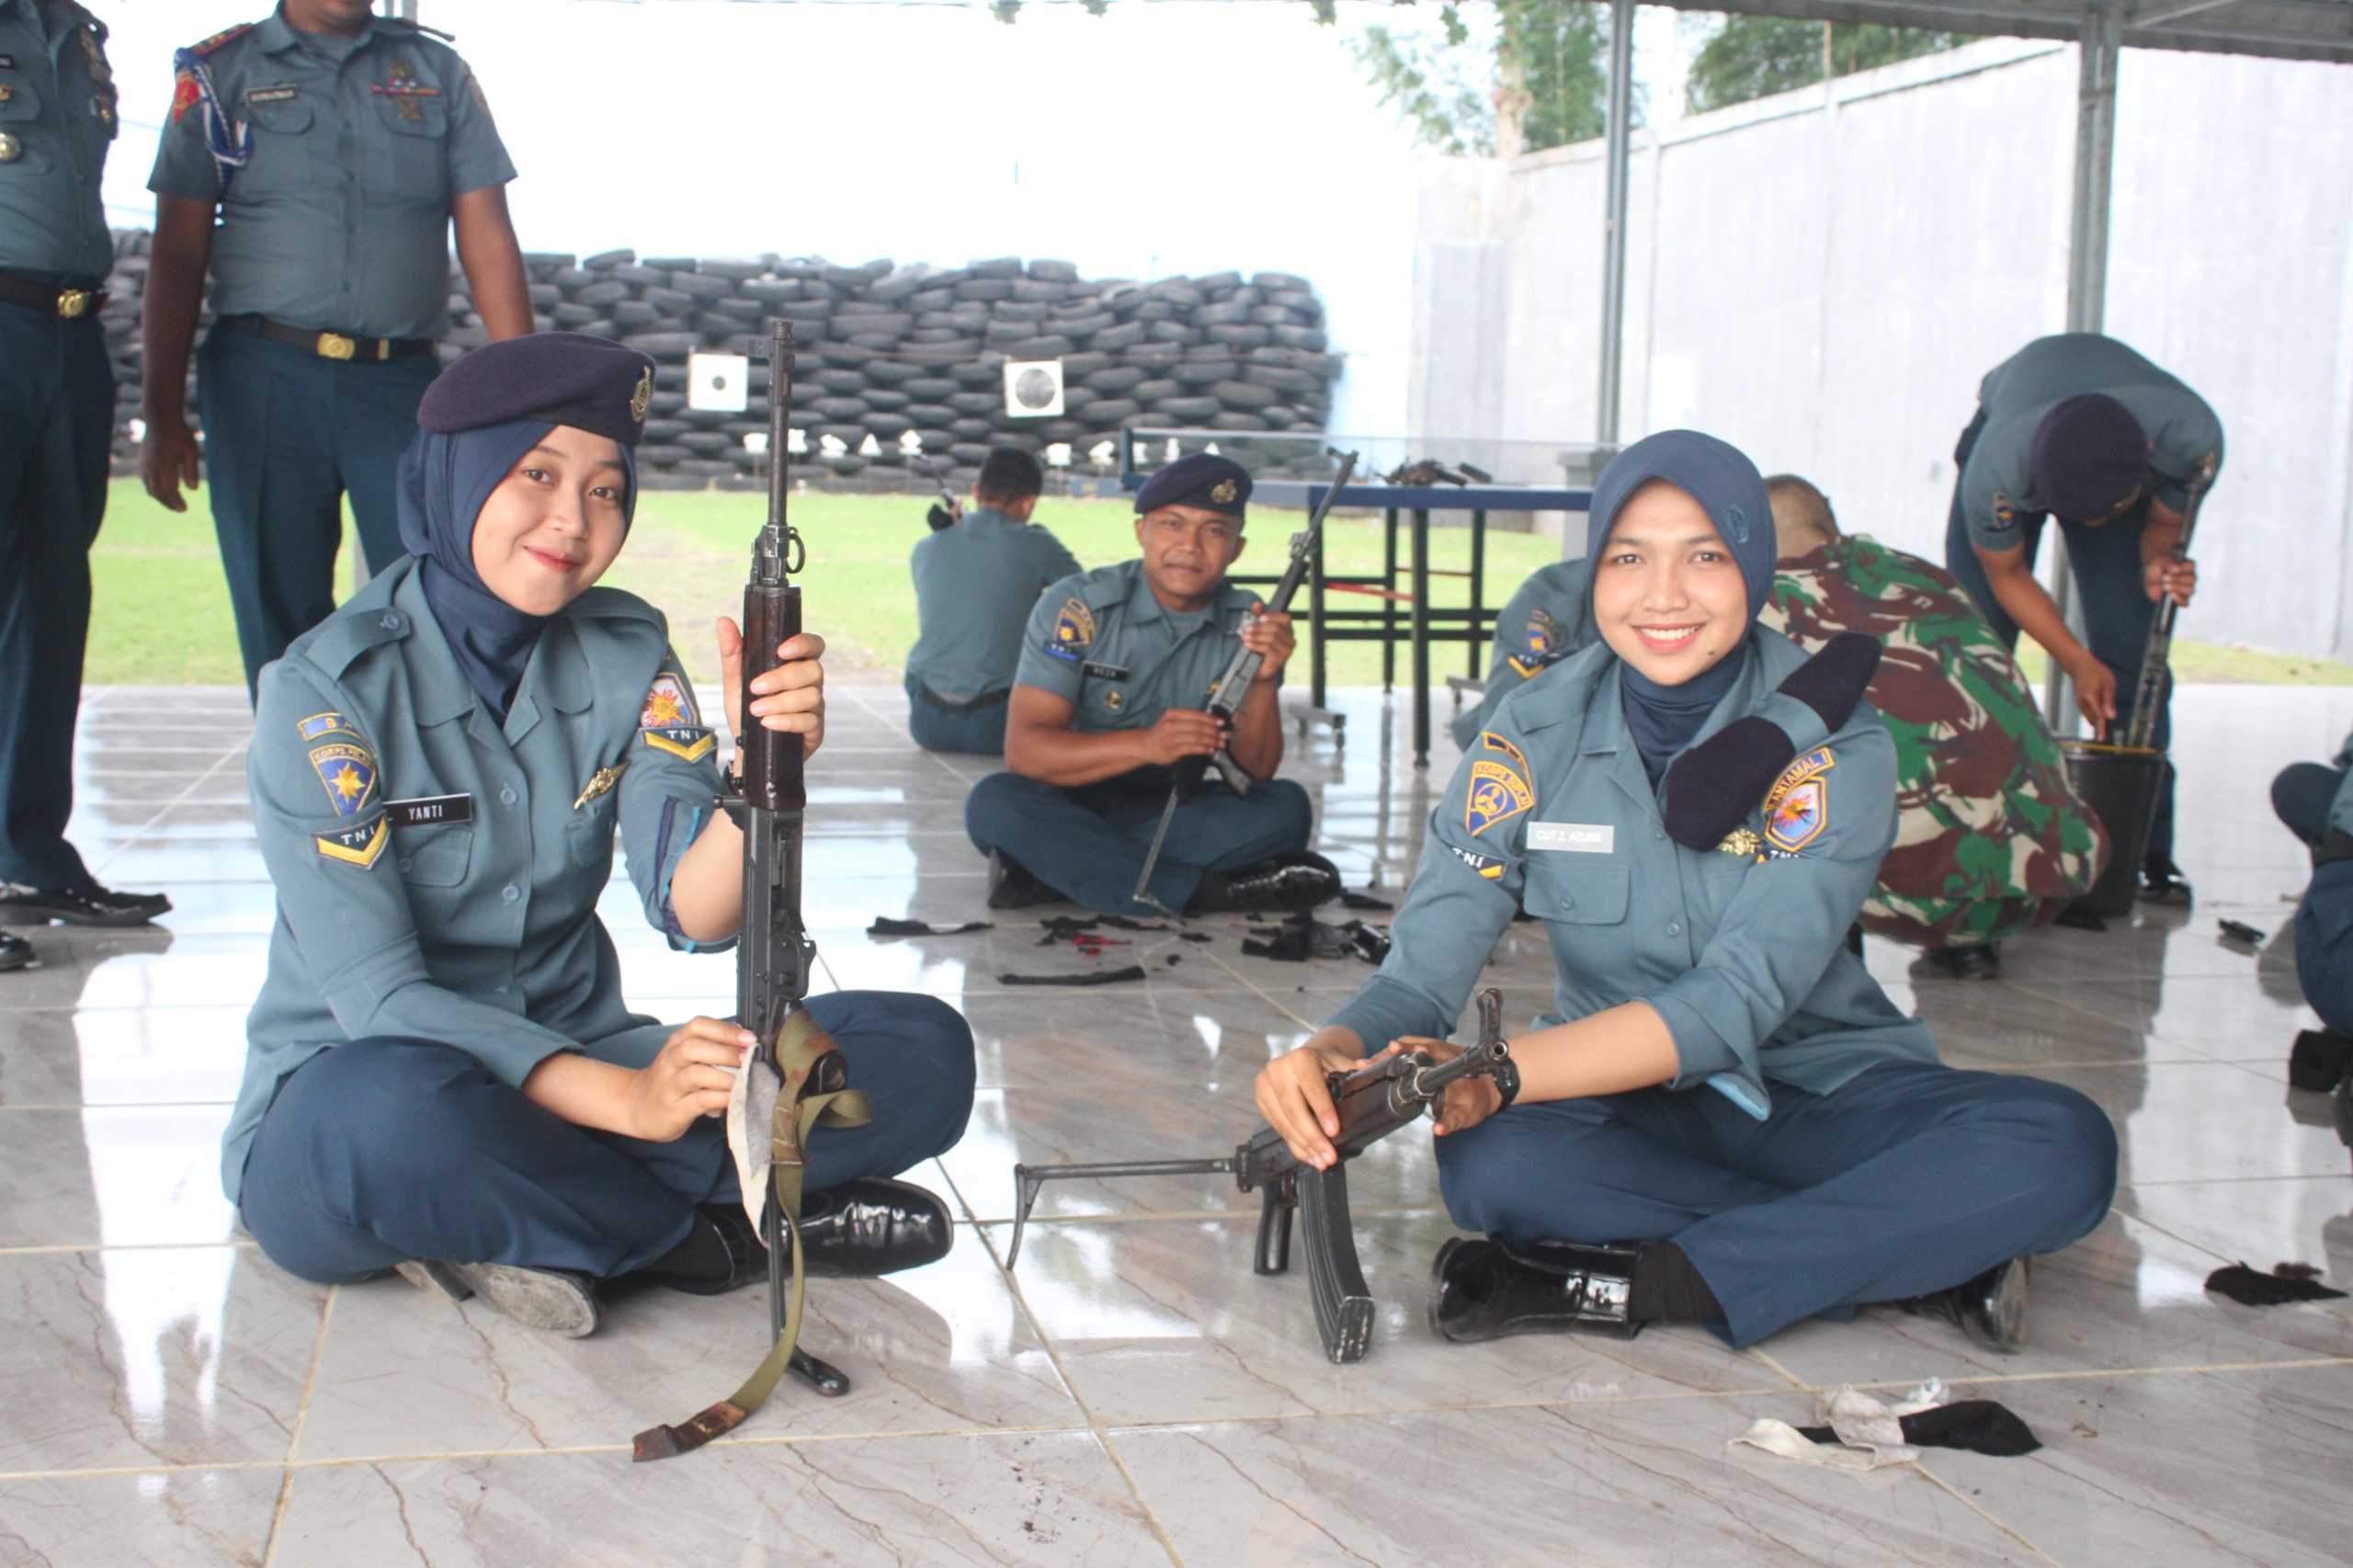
{"x":1541,"y":624}
{"x":1725,"y":1121}
{"x":976,"y":581}
{"x":2079,"y":427}
{"x":1102,"y":709}
{"x":443,"y":1078}
{"x":57,"y":115}
{"x":337,"y":147}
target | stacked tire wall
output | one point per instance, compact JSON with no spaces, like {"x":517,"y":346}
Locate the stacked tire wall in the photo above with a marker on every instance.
{"x":888,"y":351}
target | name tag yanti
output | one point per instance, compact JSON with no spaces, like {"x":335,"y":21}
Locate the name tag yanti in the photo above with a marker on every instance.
{"x":1576,"y":837}
{"x":429,"y":810}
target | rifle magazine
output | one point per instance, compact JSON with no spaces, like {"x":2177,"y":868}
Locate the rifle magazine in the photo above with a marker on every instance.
{"x":1334,"y":1277}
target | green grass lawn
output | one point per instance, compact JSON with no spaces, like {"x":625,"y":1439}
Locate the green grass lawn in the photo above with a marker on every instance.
{"x":162,"y":614}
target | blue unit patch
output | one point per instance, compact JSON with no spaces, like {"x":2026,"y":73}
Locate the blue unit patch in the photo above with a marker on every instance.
{"x":1798,"y":807}
{"x":1073,"y":631}
{"x":1496,"y":795}
{"x":348,"y":770}
{"x":1537,"y":640}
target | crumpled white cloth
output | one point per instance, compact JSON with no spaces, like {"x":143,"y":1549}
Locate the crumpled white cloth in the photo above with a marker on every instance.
{"x":1870,"y":1434}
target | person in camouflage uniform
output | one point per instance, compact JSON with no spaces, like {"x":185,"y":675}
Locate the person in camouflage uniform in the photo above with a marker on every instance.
{"x":1990,"y":841}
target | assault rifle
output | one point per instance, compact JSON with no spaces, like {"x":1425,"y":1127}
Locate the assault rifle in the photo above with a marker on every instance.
{"x":795,"y":1076}
{"x":1373,"y":1102}
{"x":2156,"y":673}
{"x":1225,"y":696}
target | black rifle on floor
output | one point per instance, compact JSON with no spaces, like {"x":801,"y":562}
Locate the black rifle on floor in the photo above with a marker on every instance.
{"x":1225,"y":696}
{"x":1372,"y":1102}
{"x":2156,"y":674}
{"x":795,"y":1076}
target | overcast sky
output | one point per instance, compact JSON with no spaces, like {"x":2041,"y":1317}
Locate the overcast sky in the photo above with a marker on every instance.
{"x":1157,"y":139}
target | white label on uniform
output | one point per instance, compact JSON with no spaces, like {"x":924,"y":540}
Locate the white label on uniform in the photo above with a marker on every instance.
{"x":1577,"y":837}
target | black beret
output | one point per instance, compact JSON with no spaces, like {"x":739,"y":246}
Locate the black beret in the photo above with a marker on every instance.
{"x":1205,"y":480}
{"x":2088,"y":454}
{"x":564,"y":378}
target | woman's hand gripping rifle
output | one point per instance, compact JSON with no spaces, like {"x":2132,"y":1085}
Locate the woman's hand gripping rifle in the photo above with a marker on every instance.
{"x":795,"y":1078}
{"x":1373,"y":1102}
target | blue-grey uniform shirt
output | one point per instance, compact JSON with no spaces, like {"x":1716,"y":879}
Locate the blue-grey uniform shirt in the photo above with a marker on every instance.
{"x":1997,"y":485}
{"x":1741,"y":949}
{"x":57,"y":117}
{"x":466,"y":914}
{"x":1101,"y":641}
{"x":1548,"y":620}
{"x":976,"y":581}
{"x":340,"y":220}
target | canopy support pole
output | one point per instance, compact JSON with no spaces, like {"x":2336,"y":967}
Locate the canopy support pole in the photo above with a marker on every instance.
{"x":1618,"y":156}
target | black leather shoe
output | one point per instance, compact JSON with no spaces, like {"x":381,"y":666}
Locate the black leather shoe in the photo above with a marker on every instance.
{"x":723,"y":1253}
{"x":15,"y":953}
{"x":554,"y":1299}
{"x":1980,"y":960}
{"x":1289,"y":884}
{"x":871,"y":1226}
{"x":1990,"y":1309}
{"x":2161,"y":882}
{"x":87,"y":905}
{"x":1485,"y":1289}
{"x":1011,"y":885}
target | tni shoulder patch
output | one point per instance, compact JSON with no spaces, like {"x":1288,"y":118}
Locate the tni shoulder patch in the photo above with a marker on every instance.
{"x":1487,"y":866}
{"x":1074,"y":631}
{"x":689,"y":740}
{"x":360,"y":846}
{"x":1496,"y":795}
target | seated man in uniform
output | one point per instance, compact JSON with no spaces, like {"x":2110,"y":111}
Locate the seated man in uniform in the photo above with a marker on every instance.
{"x":1539,"y":626}
{"x":1723,"y":1120}
{"x":2315,"y":800}
{"x":976,"y":581}
{"x":442,"y":1076}
{"x":1990,"y":842}
{"x":1103,"y":708}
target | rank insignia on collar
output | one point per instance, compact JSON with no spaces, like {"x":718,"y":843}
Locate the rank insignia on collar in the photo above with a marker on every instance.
{"x":1496,"y":795}
{"x":362,"y":846}
{"x":348,"y":770}
{"x":601,"y":782}
{"x":1740,"y":841}
{"x":1224,"y":493}
{"x":689,"y":740}
{"x":1074,"y":629}
{"x":642,"y":398}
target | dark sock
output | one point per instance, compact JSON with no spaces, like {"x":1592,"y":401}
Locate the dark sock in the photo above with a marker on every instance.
{"x":702,"y":1256}
{"x":1666,"y":1288}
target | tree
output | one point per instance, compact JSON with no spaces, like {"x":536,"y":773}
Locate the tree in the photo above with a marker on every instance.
{"x":1753,"y":57}
{"x":1535,"y":78}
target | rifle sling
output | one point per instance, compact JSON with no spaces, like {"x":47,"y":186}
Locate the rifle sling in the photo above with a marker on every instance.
{"x":800,"y":1047}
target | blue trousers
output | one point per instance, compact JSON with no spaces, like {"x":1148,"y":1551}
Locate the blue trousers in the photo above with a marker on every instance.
{"x":2324,"y":945}
{"x":56,"y":424}
{"x":938,"y":727}
{"x":1088,"y":844}
{"x":2118,"y":612}
{"x":287,"y":437}
{"x":1910,"y":1177}
{"x":384,"y":1150}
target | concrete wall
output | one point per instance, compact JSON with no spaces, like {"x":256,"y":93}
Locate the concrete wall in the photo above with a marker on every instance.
{"x":1823,"y":276}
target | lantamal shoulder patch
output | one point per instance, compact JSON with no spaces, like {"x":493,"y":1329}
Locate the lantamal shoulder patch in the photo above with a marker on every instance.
{"x":1798,"y":806}
{"x":1496,"y":795}
{"x":1073,"y":631}
{"x":1537,"y":640}
{"x":669,"y":701}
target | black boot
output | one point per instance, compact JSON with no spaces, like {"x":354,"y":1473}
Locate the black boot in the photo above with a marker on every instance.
{"x":554,"y":1299}
{"x":1980,"y":960}
{"x":1990,"y":1309}
{"x":1011,"y":885}
{"x":1486,"y":1289}
{"x":723,"y":1253}
{"x":871,"y":1226}
{"x":2161,"y":881}
{"x":1288,"y":883}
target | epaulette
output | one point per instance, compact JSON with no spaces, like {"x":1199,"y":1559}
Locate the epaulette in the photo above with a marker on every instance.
{"x":416,"y":27}
{"x":350,"y":632}
{"x":217,"y":39}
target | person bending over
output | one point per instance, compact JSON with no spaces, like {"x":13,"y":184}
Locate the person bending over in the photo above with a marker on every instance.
{"x":1990,"y":841}
{"x":1723,"y":1119}
{"x":442,"y":1077}
{"x":976,"y":581}
{"x":1104,"y":708}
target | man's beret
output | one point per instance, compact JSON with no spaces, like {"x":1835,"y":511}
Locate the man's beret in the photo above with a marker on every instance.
{"x":564,"y":378}
{"x":1205,"y":480}
{"x":2088,"y":454}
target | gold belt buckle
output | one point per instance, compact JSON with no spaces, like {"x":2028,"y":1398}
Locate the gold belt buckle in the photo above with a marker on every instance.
{"x":74,"y":303}
{"x":334,"y":346}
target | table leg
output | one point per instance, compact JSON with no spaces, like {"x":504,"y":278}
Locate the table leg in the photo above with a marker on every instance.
{"x":1421,"y":637}
{"x":1478,"y":587}
{"x":1388,"y":606}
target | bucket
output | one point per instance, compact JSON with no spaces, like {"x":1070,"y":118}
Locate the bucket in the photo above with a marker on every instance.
{"x":2119,"y":784}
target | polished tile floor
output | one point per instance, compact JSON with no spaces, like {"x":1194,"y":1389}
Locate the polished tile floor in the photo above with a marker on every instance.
{"x":1133,"y":1395}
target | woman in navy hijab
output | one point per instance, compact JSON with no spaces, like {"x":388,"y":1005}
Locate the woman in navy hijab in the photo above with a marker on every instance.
{"x":1722,"y":1120}
{"x":442,"y":1077}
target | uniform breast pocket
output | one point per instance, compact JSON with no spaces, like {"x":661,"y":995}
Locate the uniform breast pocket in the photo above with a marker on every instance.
{"x":414,"y":148}
{"x":282,"y":148}
{"x":1577,"y":890}
{"x":435,"y":857}
{"x":589,"y":835}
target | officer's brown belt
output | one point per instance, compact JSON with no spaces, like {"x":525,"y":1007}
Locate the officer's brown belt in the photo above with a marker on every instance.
{"x":334,"y":344}
{"x":54,"y":299}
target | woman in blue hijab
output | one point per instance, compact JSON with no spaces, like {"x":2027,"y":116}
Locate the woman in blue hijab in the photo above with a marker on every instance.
{"x":442,"y":1077}
{"x":1722,"y":1120}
